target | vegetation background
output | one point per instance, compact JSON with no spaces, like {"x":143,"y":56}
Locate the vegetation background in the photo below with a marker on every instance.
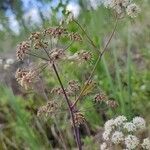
{"x":123,"y":72}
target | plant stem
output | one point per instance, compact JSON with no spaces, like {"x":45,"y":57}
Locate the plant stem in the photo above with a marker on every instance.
{"x":97,"y":61}
{"x":69,"y":106}
{"x":88,"y":37}
{"x":68,"y":103}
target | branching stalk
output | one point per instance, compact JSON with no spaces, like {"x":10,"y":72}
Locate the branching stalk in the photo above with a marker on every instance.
{"x":86,"y":34}
{"x":98,"y":60}
{"x":68,"y":103}
{"x":70,"y":109}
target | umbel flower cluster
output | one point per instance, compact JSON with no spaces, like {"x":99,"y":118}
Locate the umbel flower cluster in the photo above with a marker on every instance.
{"x":123,"y":7}
{"x":125,"y":135}
{"x":44,"y":45}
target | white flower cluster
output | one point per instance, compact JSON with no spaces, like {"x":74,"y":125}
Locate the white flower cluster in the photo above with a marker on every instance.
{"x":123,"y":7}
{"x":146,"y":144}
{"x":131,"y":142}
{"x":119,"y":131}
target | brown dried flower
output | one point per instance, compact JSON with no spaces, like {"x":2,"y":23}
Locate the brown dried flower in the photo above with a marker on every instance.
{"x":26,"y":78}
{"x":57,"y":54}
{"x":55,"y":32}
{"x":100,"y":97}
{"x":35,"y":36}
{"x":59,"y":91}
{"x":75,"y":36}
{"x":79,"y":119}
{"x":48,"y":110}
{"x":73,"y":86}
{"x":86,"y":56}
{"x":22,"y":49}
{"x":40,"y":44}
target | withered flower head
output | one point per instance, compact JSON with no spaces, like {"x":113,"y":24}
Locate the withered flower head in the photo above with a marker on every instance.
{"x":79,"y":119}
{"x":48,"y":110}
{"x":20,"y":73}
{"x":26,"y":78}
{"x":75,"y":36}
{"x":35,"y":36}
{"x":86,"y":56}
{"x":58,"y":91}
{"x":73,"y":85}
{"x":55,"y":32}
{"x":22,"y":49}
{"x":100,"y":97}
{"x":40,"y":44}
{"x":57,"y":54}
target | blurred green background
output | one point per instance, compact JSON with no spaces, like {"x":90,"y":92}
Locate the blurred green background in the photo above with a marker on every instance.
{"x":123,"y":72}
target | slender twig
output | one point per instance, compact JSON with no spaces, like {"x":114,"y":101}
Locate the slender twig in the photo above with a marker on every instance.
{"x":86,"y":34}
{"x":68,"y":46}
{"x":97,"y":61}
{"x":39,"y":67}
{"x":47,"y":53}
{"x":43,"y":68}
{"x":69,"y":106}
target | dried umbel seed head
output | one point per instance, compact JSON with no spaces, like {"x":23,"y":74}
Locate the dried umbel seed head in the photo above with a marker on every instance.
{"x":86,"y":56}
{"x":57,"y":54}
{"x":26,"y":78}
{"x":41,"y":111}
{"x":40,"y":44}
{"x":20,"y":73}
{"x":79,"y":118}
{"x":100,"y":97}
{"x":35,"y":36}
{"x":55,"y":32}
{"x":73,"y":85}
{"x":112,"y":103}
{"x":58,"y":91}
{"x":22,"y":49}
{"x":48,"y":110}
{"x":75,"y":37}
